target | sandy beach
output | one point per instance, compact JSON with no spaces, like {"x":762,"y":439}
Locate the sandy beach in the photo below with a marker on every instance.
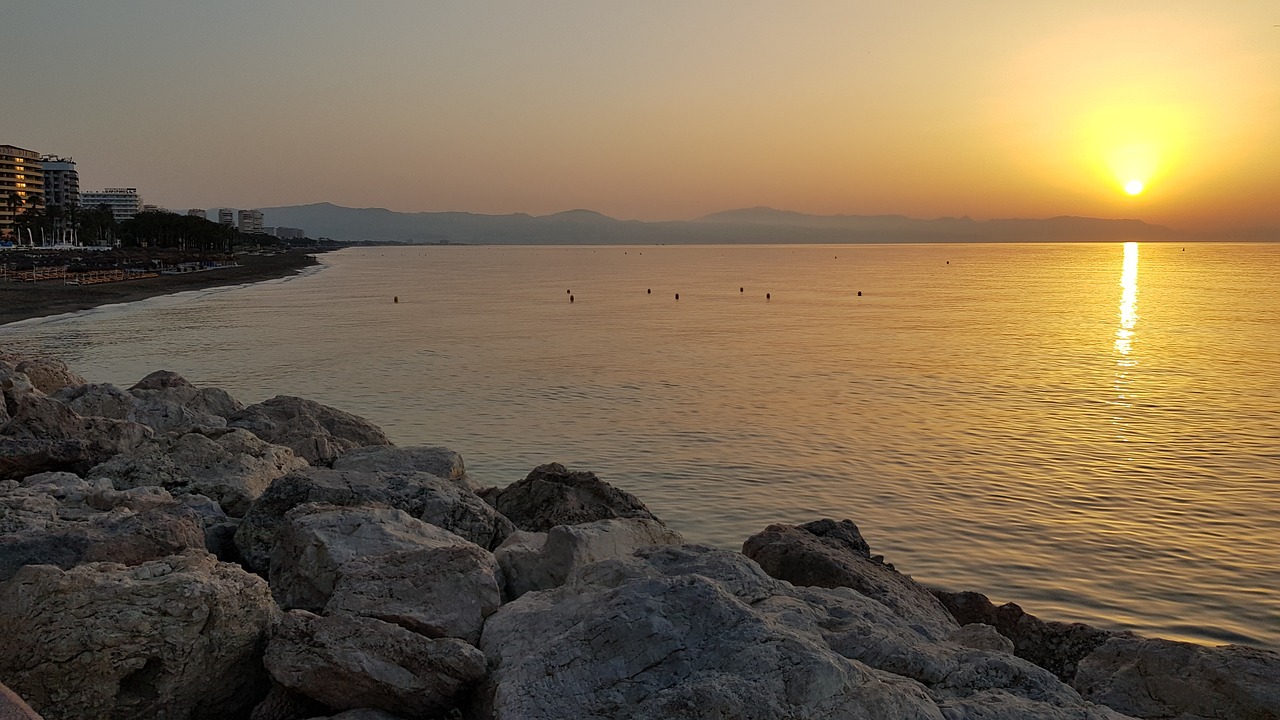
{"x":23,"y":300}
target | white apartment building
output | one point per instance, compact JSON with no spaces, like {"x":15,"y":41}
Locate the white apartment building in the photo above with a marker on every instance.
{"x":251,"y":221}
{"x":226,"y":216}
{"x":61,"y":181}
{"x":124,"y":203}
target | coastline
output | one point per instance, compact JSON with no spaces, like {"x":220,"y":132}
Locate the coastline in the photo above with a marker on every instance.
{"x":23,"y":301}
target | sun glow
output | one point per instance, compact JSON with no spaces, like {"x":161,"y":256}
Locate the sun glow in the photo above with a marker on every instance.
{"x":1134,"y":187}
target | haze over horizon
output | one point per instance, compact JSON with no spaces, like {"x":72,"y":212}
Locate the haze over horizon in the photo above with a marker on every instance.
{"x":1161,"y":111}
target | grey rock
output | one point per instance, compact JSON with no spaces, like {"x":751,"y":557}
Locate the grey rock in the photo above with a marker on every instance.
{"x":176,"y":638}
{"x":42,"y":435}
{"x":624,"y":635}
{"x":281,"y":703}
{"x":552,"y":495}
{"x":351,"y":663}
{"x":385,"y":564}
{"x":541,"y":561}
{"x":1168,"y":680}
{"x":828,"y":554}
{"x":13,"y":707}
{"x":47,"y":374}
{"x":439,"y":461}
{"x":981,"y":637}
{"x":424,"y":496}
{"x":316,"y":432}
{"x":1056,"y":646}
{"x":171,"y":387}
{"x":97,"y":400}
{"x":58,"y":519}
{"x":233,"y":467}
{"x":362,"y":714}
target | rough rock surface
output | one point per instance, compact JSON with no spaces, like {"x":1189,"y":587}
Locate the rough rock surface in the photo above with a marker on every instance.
{"x":439,"y":461}
{"x":42,"y":435}
{"x":826,"y":553}
{"x":154,"y":411}
{"x":48,"y":375}
{"x":1163,"y":679}
{"x":281,"y":703}
{"x":173,"y":638}
{"x":1056,"y":646}
{"x":361,"y":714}
{"x":313,"y":431}
{"x":172,"y":387}
{"x":351,"y":663}
{"x":552,"y":495}
{"x":541,"y":561}
{"x":13,"y":707}
{"x":382,"y":563}
{"x":58,"y":519}
{"x":424,"y":496}
{"x":981,"y":637}
{"x":689,"y":631}
{"x":233,"y":467}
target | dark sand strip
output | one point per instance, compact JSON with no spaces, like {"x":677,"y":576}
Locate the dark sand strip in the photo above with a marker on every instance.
{"x":23,"y":300}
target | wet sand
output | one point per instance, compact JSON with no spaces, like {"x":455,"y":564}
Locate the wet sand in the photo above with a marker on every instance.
{"x":23,"y":300}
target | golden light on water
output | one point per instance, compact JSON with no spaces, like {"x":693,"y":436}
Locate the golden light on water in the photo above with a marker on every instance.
{"x":1128,"y":305}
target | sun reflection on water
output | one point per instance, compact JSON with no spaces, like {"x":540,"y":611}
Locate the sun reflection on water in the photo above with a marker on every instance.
{"x":1128,"y":306}
{"x":1125,"y":359}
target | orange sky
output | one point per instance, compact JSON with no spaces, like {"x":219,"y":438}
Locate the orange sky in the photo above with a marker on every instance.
{"x":662,"y":110}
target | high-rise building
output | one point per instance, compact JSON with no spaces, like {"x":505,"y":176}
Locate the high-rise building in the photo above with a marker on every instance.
{"x":124,"y":203}
{"x":290,"y":233}
{"x":226,"y":216}
{"x":21,"y":185}
{"x":61,"y":181}
{"x":251,"y":221}
{"x":198,"y":212}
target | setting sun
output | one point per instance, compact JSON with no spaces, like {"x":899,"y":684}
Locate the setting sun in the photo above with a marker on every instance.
{"x":1133,"y":187}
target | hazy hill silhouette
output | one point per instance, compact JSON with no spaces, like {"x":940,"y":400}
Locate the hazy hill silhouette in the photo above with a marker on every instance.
{"x":751,"y":225}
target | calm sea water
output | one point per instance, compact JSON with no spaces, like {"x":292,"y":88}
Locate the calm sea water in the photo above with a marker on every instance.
{"x":1092,"y":431}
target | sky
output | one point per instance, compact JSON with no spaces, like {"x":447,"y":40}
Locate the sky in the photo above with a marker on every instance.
{"x":661,"y":110}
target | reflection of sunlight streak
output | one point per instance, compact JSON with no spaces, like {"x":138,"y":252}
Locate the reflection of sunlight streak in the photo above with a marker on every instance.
{"x":1128,"y":305}
{"x":1125,"y":362}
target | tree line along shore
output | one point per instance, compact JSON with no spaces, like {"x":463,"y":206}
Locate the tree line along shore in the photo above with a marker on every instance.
{"x":169,"y":552}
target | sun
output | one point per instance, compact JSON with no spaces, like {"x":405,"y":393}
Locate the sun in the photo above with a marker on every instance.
{"x":1133,"y":187}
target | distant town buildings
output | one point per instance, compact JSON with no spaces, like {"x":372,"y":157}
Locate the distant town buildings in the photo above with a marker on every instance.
{"x":251,"y":222}
{"x":61,"y":181}
{"x":290,"y":233}
{"x":226,"y":216}
{"x":21,"y":186}
{"x":198,"y":212}
{"x":124,"y":203}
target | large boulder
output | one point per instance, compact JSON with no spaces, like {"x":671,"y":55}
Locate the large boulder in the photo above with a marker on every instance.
{"x":13,"y":707}
{"x":233,"y":467}
{"x":1167,"y":680}
{"x":424,"y":496}
{"x":1056,"y":646}
{"x":552,"y":495}
{"x":313,"y":431}
{"x":439,"y":461}
{"x":174,"y":638}
{"x":541,"y":561}
{"x":172,"y":387}
{"x":156,"y":412}
{"x":826,"y":553}
{"x":48,"y":375}
{"x":385,"y":564}
{"x":59,"y":519}
{"x":42,"y":435}
{"x":349,"y":663}
{"x":689,"y":631}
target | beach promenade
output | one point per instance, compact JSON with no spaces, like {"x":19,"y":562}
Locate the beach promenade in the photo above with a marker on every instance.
{"x":23,"y":300}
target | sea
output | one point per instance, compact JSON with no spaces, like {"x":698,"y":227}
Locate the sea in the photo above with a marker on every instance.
{"x":1091,"y":430}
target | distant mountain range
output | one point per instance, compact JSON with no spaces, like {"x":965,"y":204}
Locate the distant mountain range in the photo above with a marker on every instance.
{"x":751,"y":225}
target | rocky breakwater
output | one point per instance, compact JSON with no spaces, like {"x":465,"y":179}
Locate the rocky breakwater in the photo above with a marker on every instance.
{"x":168,"y":553}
